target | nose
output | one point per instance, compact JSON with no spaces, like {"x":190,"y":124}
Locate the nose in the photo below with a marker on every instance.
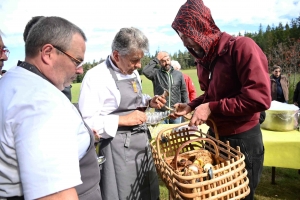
{"x":3,"y":57}
{"x":138,"y":65}
{"x":79,"y":70}
{"x":184,"y":41}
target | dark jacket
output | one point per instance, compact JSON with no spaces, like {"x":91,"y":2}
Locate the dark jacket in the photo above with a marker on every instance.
{"x":284,"y":82}
{"x":173,"y":81}
{"x":296,"y":98}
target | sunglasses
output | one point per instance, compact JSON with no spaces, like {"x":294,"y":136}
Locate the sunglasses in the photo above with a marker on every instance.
{"x":78,"y":63}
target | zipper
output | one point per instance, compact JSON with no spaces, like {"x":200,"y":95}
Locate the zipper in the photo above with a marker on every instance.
{"x":170,"y":85}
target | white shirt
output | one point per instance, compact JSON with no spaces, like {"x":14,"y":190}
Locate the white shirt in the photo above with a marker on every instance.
{"x":42,"y":137}
{"x":99,"y":96}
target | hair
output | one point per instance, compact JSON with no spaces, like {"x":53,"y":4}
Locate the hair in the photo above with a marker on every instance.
{"x":29,"y":25}
{"x":276,"y":67}
{"x":129,"y":40}
{"x":175,"y":64}
{"x":51,"y":30}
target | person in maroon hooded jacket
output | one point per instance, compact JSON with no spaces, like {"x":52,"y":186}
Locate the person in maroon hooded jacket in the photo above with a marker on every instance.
{"x":233,"y":73}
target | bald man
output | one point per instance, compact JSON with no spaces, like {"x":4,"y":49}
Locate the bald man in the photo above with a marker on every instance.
{"x":166,"y":78}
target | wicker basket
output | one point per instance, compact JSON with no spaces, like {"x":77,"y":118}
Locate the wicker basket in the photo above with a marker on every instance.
{"x":229,"y":176}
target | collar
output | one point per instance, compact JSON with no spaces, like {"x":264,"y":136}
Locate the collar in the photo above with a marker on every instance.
{"x":115,"y":68}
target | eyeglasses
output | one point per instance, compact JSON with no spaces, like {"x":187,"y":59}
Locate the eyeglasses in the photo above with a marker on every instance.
{"x":78,"y":63}
{"x":5,"y":51}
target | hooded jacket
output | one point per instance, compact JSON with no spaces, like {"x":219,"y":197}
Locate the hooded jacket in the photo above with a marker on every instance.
{"x":173,"y":81}
{"x":233,"y":73}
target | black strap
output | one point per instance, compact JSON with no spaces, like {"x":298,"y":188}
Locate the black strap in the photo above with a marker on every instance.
{"x":16,"y":198}
{"x":32,"y":69}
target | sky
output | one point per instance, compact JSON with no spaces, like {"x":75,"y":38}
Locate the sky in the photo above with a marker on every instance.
{"x":102,"y":19}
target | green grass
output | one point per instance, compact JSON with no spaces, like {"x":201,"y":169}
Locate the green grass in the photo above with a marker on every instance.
{"x":287,"y":185}
{"x":146,"y":84}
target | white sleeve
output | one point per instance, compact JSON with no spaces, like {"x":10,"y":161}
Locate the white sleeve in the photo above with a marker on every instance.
{"x":45,"y":134}
{"x":99,"y":96}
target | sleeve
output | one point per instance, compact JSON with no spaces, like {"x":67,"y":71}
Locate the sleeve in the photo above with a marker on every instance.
{"x":197,"y":101}
{"x":191,"y":89}
{"x":93,"y":103}
{"x":183,"y":90}
{"x":45,"y":135}
{"x":149,"y":70}
{"x":252,"y":69}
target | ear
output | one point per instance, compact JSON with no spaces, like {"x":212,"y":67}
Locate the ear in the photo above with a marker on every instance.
{"x":47,"y":53}
{"x":116,"y":56}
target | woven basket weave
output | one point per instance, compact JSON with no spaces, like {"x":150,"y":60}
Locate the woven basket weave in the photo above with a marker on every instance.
{"x":229,"y":179}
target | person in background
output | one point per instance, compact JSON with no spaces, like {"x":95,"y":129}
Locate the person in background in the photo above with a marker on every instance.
{"x":279,"y":85}
{"x":29,"y":25}
{"x":233,"y":73}
{"x":4,"y":52}
{"x":191,"y":90}
{"x":46,"y":151}
{"x":167,"y":79}
{"x":110,"y":96}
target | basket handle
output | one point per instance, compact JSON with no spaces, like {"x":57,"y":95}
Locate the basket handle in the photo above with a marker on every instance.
{"x":195,"y":140}
{"x":189,"y":117}
{"x":158,"y":137}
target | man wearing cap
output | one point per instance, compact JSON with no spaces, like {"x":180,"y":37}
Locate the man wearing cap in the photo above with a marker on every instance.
{"x":166,"y":79}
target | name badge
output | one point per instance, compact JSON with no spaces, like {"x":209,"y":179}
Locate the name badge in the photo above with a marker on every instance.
{"x":134,"y":86}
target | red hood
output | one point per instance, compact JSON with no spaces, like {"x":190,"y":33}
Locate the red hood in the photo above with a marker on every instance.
{"x":194,"y":20}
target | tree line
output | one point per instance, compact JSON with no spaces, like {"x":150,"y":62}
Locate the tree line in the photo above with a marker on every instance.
{"x":280,"y":43}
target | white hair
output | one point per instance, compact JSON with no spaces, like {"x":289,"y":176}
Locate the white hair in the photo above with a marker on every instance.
{"x":175,"y":64}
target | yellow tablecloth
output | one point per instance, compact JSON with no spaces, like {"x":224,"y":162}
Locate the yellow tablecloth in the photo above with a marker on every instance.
{"x":282,"y":149}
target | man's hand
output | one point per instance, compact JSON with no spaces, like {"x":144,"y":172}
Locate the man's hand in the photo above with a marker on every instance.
{"x":180,"y":110}
{"x":157,"y":102}
{"x":161,"y":55}
{"x":200,"y":115}
{"x":135,"y":118}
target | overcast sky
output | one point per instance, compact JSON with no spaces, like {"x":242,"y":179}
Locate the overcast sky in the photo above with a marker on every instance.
{"x":101,"y":19}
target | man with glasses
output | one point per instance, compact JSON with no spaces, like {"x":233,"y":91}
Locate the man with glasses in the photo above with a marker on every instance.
{"x":29,"y":25}
{"x":4,"y":53}
{"x":279,"y":85}
{"x":46,"y":151}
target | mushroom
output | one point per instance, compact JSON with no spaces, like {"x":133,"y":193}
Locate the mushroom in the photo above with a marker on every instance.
{"x":207,"y":167}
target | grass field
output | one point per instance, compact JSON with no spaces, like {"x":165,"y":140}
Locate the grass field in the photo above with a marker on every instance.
{"x":146,"y":83}
{"x":287,"y":185}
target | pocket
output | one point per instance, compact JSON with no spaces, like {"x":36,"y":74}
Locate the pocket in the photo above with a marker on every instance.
{"x":253,"y":150}
{"x":137,"y":147}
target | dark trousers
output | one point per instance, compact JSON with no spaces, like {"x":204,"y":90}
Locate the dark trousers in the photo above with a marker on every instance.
{"x":252,"y":147}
